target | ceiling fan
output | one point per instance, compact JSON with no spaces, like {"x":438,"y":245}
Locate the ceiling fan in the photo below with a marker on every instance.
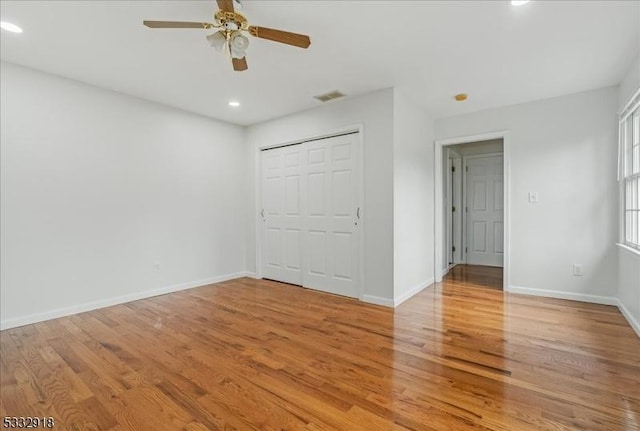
{"x":231,"y":27}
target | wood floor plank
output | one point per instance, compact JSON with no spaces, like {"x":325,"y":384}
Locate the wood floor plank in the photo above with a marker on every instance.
{"x":260,"y":355}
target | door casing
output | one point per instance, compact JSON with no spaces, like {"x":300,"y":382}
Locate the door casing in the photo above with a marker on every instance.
{"x":439,"y":222}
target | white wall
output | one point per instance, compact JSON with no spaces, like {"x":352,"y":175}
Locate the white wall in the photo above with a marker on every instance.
{"x":97,"y":187}
{"x":374,"y":111}
{"x":628,"y":260}
{"x":565,"y":149}
{"x":412,"y":198}
{"x":629,"y":83}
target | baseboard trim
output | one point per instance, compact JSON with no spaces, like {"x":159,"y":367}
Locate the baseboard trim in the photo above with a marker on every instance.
{"x":102,"y":303}
{"x":250,"y":274}
{"x":377,"y":300}
{"x":627,"y":315}
{"x":413,"y":291}
{"x":582,"y":297}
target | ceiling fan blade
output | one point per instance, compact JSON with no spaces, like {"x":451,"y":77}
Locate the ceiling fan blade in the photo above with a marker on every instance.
{"x":225,"y":5}
{"x":177,"y":24}
{"x":239,"y":64}
{"x":295,"y":39}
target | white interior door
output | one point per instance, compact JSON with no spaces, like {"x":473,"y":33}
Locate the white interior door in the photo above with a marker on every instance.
{"x":449,"y":211}
{"x":457,"y":214}
{"x":332,"y":216}
{"x":311,"y":214}
{"x":281,"y":214}
{"x":485,"y":211}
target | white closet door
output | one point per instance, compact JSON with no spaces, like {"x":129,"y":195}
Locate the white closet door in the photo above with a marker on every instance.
{"x":281,"y":213}
{"x":485,"y":211}
{"x":310,"y":214}
{"x":331,"y":212}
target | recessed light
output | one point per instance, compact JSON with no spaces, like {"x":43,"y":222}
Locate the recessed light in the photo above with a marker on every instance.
{"x":10,"y":27}
{"x":519,"y":2}
{"x":234,"y":103}
{"x":460,"y":97}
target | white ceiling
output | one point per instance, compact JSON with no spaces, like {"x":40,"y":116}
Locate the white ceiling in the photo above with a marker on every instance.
{"x":429,"y":50}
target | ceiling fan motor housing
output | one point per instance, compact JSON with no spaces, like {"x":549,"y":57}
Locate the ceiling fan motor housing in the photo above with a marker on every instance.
{"x":234,"y":19}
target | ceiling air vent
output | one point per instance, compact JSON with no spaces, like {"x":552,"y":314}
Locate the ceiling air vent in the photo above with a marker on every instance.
{"x":329,"y":96}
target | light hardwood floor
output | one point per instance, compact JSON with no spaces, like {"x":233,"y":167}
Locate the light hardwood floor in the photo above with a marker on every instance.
{"x":249,"y":354}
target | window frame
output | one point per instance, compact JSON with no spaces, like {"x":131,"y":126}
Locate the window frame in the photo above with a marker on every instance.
{"x":629,"y":172}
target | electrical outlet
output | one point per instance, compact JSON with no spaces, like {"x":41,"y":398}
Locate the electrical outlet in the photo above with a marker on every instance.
{"x":577,"y":269}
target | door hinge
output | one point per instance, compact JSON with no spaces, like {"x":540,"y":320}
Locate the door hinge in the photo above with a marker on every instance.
{"x":454,"y":248}
{"x":466,"y":168}
{"x":466,"y":249}
{"x":453,"y":168}
{"x":466,"y":209}
{"x":453,"y":209}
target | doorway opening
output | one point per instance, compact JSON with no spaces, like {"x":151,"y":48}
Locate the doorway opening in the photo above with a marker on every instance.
{"x":472,"y":209}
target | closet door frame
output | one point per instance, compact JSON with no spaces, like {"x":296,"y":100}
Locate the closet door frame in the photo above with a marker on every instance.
{"x":357,"y":128}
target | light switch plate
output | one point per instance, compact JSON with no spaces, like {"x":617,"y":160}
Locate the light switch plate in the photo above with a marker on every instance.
{"x":533,"y":197}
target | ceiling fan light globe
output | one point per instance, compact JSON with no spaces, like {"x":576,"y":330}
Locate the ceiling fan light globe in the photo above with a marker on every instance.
{"x":217,"y":40}
{"x":238,"y":41}
{"x":238,"y":54}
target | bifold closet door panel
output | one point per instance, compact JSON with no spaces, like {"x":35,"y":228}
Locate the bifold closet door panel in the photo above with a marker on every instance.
{"x":330,"y":215}
{"x":281,"y":214}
